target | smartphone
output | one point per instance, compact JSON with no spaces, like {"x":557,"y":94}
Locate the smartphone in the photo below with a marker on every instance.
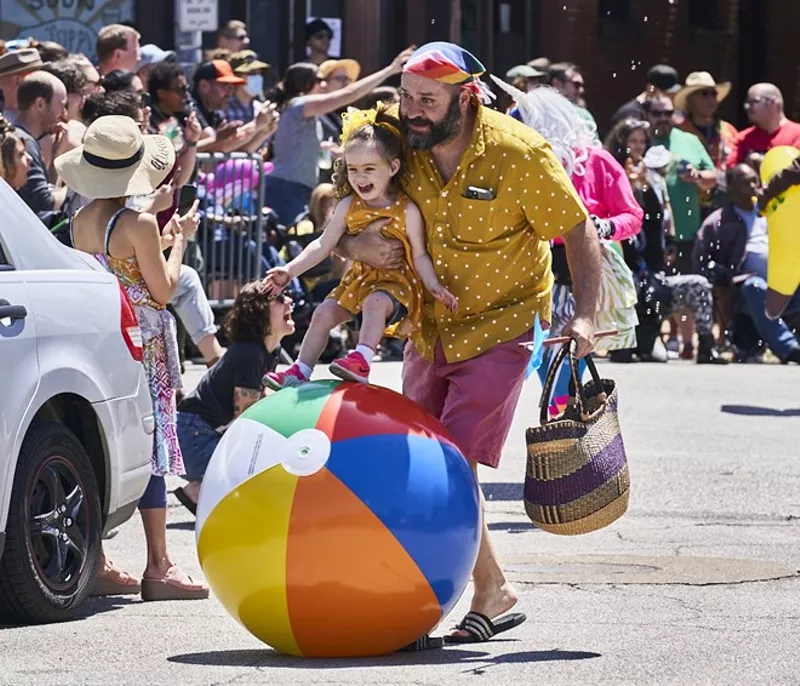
{"x":186,"y":198}
{"x":475,"y":193}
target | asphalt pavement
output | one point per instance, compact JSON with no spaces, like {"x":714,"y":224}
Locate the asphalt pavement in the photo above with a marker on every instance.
{"x":697,"y":584}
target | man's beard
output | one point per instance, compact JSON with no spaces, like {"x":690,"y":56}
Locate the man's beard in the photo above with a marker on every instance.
{"x":438,"y":132}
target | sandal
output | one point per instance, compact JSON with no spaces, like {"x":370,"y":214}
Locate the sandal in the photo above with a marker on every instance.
{"x":184,"y":500}
{"x":175,"y":585}
{"x":480,"y":628}
{"x":114,"y":581}
{"x":424,"y":642}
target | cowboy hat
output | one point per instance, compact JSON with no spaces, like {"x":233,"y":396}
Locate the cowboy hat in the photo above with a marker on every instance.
{"x":351,"y":68}
{"x":116,"y":160}
{"x":20,"y":61}
{"x":698,"y":81}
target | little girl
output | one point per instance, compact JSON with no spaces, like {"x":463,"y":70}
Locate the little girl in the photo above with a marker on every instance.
{"x":388,"y":301}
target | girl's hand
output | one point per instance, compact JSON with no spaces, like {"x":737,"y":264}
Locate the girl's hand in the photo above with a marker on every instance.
{"x":276,"y":280}
{"x":445,"y":297}
{"x":188,"y":223}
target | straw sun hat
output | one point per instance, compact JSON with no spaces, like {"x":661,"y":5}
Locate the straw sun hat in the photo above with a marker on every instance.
{"x":116,"y":160}
{"x":698,"y":81}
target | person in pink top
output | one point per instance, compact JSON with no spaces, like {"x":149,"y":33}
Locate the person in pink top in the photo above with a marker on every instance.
{"x":771,"y":127}
{"x":602,"y":184}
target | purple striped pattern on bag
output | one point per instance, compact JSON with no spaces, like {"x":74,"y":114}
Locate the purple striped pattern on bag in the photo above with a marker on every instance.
{"x":592,"y":475}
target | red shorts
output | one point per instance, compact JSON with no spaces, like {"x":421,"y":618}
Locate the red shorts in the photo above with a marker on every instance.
{"x":476,"y":399}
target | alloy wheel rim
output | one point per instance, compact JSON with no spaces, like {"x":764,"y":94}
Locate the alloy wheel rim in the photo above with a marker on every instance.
{"x":58,"y":524}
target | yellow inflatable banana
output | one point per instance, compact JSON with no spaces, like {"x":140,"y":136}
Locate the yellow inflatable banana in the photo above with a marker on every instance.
{"x":783,"y":221}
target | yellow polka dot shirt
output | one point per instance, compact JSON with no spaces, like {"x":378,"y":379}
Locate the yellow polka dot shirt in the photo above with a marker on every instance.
{"x":493,"y":255}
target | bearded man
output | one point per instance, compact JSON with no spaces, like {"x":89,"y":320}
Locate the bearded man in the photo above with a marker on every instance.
{"x":493,"y":195}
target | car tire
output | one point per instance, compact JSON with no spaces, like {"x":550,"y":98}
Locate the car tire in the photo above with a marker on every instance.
{"x":52,"y":549}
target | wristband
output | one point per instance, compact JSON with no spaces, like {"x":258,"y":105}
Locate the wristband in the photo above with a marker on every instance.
{"x":605,"y":228}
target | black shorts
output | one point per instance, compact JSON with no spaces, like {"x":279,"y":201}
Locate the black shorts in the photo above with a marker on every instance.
{"x":683,"y":261}
{"x":399,"y":312}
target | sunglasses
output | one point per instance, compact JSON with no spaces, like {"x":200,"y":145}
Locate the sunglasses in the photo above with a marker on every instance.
{"x":708,"y":93}
{"x":662,"y":113}
{"x":637,"y":124}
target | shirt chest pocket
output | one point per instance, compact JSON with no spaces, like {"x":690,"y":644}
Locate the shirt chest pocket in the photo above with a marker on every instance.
{"x":476,"y":221}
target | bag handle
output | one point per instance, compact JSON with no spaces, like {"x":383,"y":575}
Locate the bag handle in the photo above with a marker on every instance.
{"x":576,"y":387}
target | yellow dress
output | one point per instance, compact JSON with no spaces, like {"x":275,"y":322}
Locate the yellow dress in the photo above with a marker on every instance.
{"x":360,"y":280}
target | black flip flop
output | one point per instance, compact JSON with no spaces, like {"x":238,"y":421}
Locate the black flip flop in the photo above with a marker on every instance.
{"x":481,"y":629}
{"x":424,"y":642}
{"x":184,"y":500}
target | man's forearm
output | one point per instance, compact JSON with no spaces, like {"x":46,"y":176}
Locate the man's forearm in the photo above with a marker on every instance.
{"x":584,"y":258}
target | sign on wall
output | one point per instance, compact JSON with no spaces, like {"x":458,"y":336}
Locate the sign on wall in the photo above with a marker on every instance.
{"x":198,"y":15}
{"x":71,"y":23}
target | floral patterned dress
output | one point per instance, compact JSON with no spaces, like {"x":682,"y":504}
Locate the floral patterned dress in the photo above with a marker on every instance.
{"x":161,"y":359}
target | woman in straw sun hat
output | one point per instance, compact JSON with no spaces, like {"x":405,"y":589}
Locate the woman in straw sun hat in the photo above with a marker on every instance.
{"x":700,"y":98}
{"x":114,"y":163}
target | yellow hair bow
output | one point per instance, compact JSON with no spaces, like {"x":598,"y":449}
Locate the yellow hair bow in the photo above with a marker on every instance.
{"x":354,"y":119}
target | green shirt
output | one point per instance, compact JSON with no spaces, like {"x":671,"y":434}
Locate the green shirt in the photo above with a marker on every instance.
{"x":587,"y":115}
{"x":683,"y":196}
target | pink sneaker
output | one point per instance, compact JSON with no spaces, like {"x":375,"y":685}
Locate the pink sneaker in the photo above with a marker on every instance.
{"x":291,"y":377}
{"x":352,"y":367}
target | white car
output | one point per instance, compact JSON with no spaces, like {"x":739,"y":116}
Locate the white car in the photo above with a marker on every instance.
{"x":76,"y":419}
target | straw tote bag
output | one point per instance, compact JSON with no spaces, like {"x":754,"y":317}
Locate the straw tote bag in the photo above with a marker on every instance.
{"x":577,"y":477}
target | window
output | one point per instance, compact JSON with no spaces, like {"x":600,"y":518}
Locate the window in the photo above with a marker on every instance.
{"x":704,"y":14}
{"x":5,"y":263}
{"x":615,"y":10}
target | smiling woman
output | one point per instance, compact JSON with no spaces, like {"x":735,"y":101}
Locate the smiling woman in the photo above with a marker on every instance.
{"x":255,"y":327}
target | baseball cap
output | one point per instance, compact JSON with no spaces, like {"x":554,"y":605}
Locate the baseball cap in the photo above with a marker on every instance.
{"x":246,"y":61}
{"x":524,"y":71}
{"x":152,"y":54}
{"x":664,"y":77}
{"x":219,"y":71}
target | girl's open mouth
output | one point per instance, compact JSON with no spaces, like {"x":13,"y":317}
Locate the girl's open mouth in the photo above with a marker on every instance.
{"x":366,"y":188}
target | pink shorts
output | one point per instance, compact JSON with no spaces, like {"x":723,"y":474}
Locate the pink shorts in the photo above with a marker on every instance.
{"x":476,"y":399}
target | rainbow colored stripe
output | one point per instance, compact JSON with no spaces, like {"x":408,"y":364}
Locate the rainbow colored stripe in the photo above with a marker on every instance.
{"x":444,"y":62}
{"x":359,"y":554}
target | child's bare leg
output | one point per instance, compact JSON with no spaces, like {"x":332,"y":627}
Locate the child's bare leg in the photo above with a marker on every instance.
{"x":377,"y":309}
{"x":328,"y":315}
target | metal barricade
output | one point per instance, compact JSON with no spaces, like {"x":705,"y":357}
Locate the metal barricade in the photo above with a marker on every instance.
{"x":228,"y":249}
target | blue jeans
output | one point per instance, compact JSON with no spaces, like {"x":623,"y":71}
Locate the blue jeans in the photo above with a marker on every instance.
{"x":778,"y":336}
{"x":191,"y":305}
{"x":286,"y":198}
{"x":198,"y":440}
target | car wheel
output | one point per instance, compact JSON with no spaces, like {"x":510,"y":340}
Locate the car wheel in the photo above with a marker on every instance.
{"x":52,"y":549}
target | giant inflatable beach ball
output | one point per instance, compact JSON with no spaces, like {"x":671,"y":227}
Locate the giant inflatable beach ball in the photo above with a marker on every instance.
{"x":337,"y":520}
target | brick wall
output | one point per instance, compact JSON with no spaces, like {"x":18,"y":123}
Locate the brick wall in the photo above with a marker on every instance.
{"x":614,"y":56}
{"x":782,"y":51}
